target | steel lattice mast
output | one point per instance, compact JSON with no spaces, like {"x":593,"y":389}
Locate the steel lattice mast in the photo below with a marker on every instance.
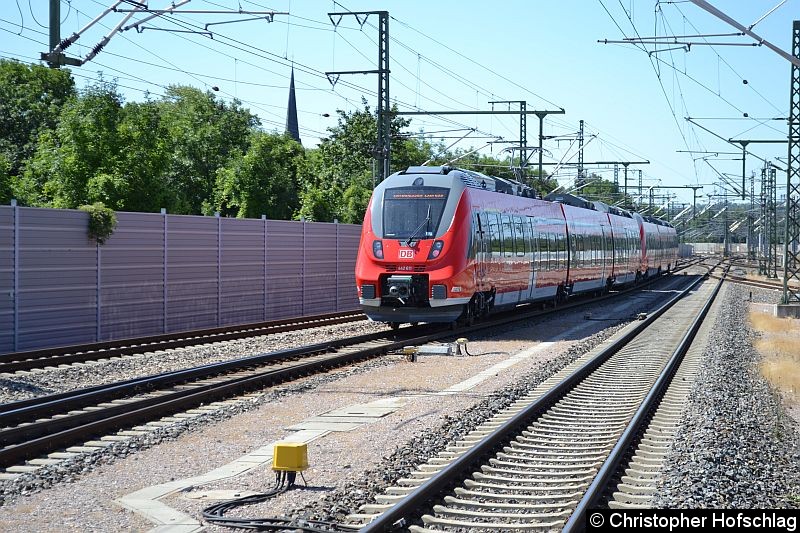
{"x":791,"y":257}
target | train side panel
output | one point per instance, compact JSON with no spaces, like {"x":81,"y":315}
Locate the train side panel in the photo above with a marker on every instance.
{"x":591,"y":260}
{"x":626,"y":249}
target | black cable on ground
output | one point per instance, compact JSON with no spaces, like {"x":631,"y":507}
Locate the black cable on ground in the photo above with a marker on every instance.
{"x":215,"y":514}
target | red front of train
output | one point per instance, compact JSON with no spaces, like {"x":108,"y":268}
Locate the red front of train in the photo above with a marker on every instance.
{"x":413,"y":259}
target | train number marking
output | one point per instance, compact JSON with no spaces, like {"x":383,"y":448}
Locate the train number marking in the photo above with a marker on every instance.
{"x":406,"y":254}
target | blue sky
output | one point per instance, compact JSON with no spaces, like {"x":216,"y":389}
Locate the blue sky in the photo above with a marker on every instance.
{"x":459,"y":55}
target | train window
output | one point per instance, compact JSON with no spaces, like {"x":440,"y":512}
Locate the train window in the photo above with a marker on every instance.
{"x":484,"y":218}
{"x":553,"y":252}
{"x":473,"y":240}
{"x":531,"y":235}
{"x":494,"y":231}
{"x":596,"y":250}
{"x":508,"y":236}
{"x":520,"y":239}
{"x":589,"y":250}
{"x":413,"y":212}
{"x":544,"y":251}
{"x":562,"y":252}
{"x":558,"y":254}
{"x":602,"y":253}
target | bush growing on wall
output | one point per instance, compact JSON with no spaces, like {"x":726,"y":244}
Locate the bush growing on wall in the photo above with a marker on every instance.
{"x":102,"y":221}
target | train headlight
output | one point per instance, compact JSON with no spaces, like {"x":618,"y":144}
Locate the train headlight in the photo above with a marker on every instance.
{"x":436,"y":249}
{"x":377,"y":249}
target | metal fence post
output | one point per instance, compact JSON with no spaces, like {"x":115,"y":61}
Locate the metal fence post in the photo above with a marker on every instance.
{"x":98,"y":290}
{"x":164,"y":214}
{"x":336,"y":273}
{"x":16,"y":274}
{"x":219,"y":269}
{"x":264,"y":218}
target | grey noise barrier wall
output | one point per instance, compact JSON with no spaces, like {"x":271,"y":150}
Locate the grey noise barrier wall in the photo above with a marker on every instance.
{"x":161,"y":273}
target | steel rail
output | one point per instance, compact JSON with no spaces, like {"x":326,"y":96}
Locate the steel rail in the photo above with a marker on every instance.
{"x":610,"y":466}
{"x":396,"y":517}
{"x":25,"y":360}
{"x":47,"y":405}
{"x":752,"y":282}
{"x":33,"y":439}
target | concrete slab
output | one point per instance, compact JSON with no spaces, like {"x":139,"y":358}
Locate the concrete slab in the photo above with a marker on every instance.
{"x":396,"y":402}
{"x":180,"y":528}
{"x":62,"y":455}
{"x":324,"y":426}
{"x":787,"y":310}
{"x":158,"y":513}
{"x":363,"y":410}
{"x":98,"y":443}
{"x":82,"y":449}
{"x":8,"y":476}
{"x":219,"y":494}
{"x":44,"y":462}
{"x":22,"y":469}
{"x":115,"y":438}
{"x":342,"y":419}
{"x":779,"y":310}
{"x":303,"y":436}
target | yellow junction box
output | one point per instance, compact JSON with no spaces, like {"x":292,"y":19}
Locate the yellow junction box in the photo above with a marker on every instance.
{"x":290,"y":456}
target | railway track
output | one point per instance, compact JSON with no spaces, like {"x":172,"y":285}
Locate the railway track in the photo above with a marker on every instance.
{"x":66,"y":355}
{"x":36,"y":427}
{"x":541,"y":463}
{"x":52,"y":357}
{"x":777,"y":285}
{"x":42,"y":425}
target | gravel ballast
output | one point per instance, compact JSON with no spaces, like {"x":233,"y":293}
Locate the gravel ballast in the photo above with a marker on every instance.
{"x":736,"y":447}
{"x":347,"y":468}
{"x":197,"y":446}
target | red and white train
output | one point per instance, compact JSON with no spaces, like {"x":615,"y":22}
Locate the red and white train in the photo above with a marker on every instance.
{"x":441,"y":243}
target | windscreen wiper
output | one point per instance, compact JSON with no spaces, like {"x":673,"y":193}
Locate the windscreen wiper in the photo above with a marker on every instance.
{"x":424,"y":222}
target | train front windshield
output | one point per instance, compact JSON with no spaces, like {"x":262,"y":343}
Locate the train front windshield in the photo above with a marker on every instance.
{"x":413,"y":212}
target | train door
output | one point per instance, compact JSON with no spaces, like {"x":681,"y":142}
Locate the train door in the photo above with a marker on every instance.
{"x":533,"y":246}
{"x":604,"y":248}
{"x":482,"y":249}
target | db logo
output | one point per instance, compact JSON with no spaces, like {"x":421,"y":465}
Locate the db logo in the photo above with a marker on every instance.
{"x":406,"y":254}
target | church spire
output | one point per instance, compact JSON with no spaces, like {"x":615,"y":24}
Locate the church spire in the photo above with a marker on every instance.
{"x":292,"y":128}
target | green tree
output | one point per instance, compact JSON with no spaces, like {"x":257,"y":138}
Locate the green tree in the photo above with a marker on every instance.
{"x":143,"y":162}
{"x":83,"y":145}
{"x":5,"y":179}
{"x":31,"y":97}
{"x":597,"y":188}
{"x":342,"y":170}
{"x":204,"y":133}
{"x":317,"y":203}
{"x":263,"y":180}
